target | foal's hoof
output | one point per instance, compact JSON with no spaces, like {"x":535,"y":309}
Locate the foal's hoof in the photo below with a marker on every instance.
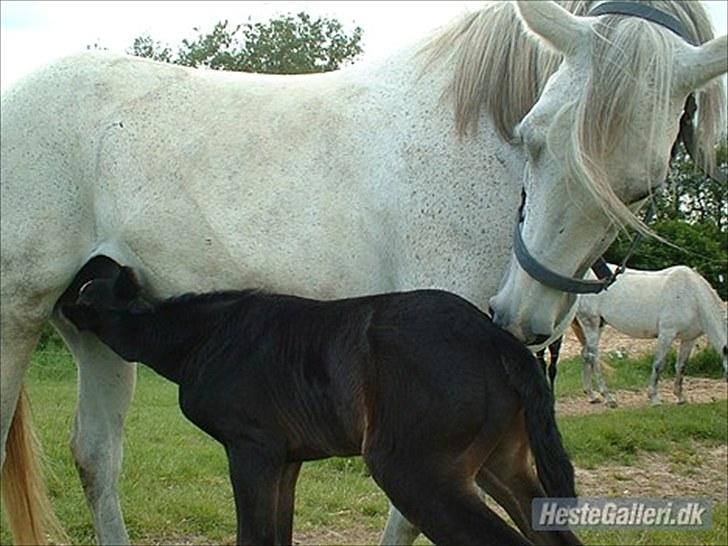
{"x":655,"y":401}
{"x":595,"y":400}
{"x":681,"y":401}
{"x":611,"y":403}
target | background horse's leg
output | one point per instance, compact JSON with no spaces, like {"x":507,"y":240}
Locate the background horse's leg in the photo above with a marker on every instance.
{"x":686,"y":346}
{"x":105,"y":389}
{"x":664,"y":340}
{"x":398,"y":529}
{"x":590,"y":327}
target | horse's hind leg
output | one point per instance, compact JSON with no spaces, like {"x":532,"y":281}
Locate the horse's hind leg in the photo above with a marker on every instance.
{"x":509,"y":477}
{"x":686,"y":347}
{"x":440,"y":502}
{"x":25,"y":501}
{"x":398,"y":529}
{"x":105,"y":388}
{"x":664,"y":340}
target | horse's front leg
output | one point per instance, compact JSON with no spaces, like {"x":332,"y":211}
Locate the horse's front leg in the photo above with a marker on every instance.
{"x":105,"y":389}
{"x":683,"y":354}
{"x":255,"y":474}
{"x":286,"y":500}
{"x":664,"y":340}
{"x":398,"y":529}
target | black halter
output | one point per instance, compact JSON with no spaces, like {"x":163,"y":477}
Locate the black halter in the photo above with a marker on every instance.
{"x":605,"y":276}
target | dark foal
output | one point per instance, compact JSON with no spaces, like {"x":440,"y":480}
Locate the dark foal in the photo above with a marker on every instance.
{"x":421,"y":384}
{"x":550,"y":370}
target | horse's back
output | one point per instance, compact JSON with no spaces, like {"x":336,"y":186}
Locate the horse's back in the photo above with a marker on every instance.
{"x":158,"y":165}
{"x":643,"y":303}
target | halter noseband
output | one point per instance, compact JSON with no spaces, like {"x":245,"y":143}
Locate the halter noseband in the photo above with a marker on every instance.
{"x":605,"y":276}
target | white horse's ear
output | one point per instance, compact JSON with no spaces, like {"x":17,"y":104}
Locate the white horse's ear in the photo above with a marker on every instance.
{"x":699,"y":65}
{"x":559,"y":28}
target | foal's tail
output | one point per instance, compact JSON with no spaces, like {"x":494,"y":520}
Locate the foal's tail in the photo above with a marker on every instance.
{"x":27,"y":506}
{"x":555,"y":470}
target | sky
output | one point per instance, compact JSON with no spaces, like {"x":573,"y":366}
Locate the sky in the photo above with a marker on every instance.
{"x":34,"y":33}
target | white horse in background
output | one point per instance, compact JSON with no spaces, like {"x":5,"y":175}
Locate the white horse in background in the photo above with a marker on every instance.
{"x":334,"y":185}
{"x":670,"y":304}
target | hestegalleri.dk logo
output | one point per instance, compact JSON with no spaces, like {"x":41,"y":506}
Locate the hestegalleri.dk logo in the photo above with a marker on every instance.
{"x":559,"y":514}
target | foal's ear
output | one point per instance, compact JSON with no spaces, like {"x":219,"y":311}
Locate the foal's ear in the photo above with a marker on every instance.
{"x":126,"y":286}
{"x":82,"y":316}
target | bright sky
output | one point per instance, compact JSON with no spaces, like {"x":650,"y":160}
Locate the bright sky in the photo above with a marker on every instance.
{"x":35,"y":32}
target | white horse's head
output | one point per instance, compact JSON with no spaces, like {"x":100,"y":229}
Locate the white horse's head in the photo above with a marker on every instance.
{"x":598,"y":141}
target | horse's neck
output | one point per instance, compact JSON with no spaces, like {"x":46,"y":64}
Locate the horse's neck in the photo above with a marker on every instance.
{"x":169,"y":336}
{"x":712,"y":314}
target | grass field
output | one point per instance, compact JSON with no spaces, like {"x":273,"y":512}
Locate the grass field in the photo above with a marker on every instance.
{"x":175,"y":489}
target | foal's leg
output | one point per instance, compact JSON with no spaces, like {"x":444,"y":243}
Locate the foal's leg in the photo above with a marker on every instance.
{"x":664,"y":340}
{"x":686,"y":346}
{"x":286,"y":501}
{"x":255,"y":474}
{"x":509,"y":477}
{"x":439,"y":500}
{"x":105,"y":389}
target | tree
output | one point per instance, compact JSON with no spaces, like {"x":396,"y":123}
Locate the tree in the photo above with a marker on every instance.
{"x":284,"y":45}
{"x":691,"y":196}
{"x":692,"y":215}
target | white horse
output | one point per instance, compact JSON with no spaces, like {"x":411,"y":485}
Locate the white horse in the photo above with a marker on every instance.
{"x":346,"y":183}
{"x":670,"y":304}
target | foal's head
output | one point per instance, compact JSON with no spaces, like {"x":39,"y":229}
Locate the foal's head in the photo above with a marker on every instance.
{"x":104,"y":306}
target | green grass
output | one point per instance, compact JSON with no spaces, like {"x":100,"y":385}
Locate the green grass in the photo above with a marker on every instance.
{"x":619,"y":435}
{"x":175,"y":483}
{"x":633,"y":373}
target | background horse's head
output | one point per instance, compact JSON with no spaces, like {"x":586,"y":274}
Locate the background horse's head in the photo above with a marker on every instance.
{"x":598,"y":140}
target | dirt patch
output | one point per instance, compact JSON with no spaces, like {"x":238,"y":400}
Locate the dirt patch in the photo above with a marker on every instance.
{"x":697,"y":390}
{"x":338,"y":536}
{"x":661,"y":475}
{"x":614,"y":341}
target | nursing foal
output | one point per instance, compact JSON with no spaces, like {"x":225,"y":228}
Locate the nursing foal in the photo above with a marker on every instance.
{"x":420,"y":383}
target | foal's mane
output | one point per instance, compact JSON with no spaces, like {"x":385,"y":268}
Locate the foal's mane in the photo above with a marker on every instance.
{"x":499,"y":69}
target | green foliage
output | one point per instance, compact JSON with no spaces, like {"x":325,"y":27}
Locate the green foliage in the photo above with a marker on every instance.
{"x":691,"y":213}
{"x":693,"y":197}
{"x":699,"y":245}
{"x":285,"y":45}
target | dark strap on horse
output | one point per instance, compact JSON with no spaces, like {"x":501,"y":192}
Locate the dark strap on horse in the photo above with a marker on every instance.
{"x":645,"y":12}
{"x":549,"y":277}
{"x":552,"y":279}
